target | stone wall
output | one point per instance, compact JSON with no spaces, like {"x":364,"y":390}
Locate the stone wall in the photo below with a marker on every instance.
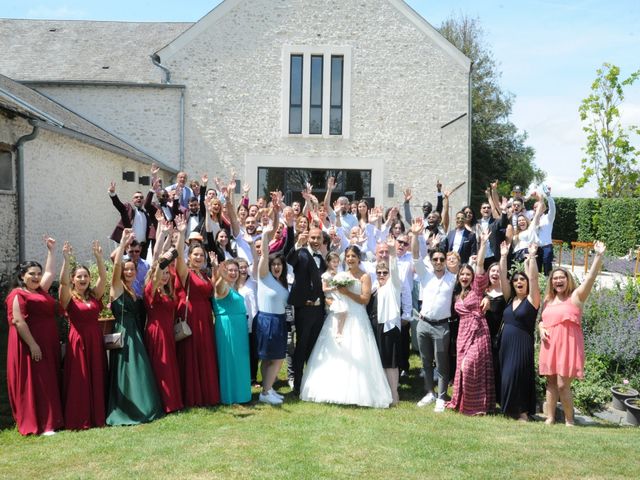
{"x":404,"y":88}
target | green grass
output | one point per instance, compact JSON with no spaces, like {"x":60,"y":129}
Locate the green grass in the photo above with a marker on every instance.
{"x":304,"y":440}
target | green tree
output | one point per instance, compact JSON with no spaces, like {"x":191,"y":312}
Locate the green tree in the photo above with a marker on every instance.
{"x":610,"y":157}
{"x":498,"y":149}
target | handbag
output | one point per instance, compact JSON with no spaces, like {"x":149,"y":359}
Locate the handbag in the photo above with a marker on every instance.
{"x":113,"y":341}
{"x":181,"y":328}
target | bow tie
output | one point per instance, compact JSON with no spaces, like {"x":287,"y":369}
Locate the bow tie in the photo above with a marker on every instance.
{"x":317,"y":255}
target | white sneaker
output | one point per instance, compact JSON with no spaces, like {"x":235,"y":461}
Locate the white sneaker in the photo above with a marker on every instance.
{"x":270,"y":399}
{"x":275,"y":394}
{"x":48,"y":433}
{"x":422,"y":374}
{"x":427,"y":399}
{"x":439,"y":408}
{"x":290,"y":382}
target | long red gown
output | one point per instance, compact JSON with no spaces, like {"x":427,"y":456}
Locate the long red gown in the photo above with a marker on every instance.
{"x":161,"y":346}
{"x":473,"y":386}
{"x":197,"y":358}
{"x":34,"y":387}
{"x":85,"y":367}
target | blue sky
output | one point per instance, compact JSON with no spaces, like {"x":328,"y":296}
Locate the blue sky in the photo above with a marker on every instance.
{"x":548,"y":52}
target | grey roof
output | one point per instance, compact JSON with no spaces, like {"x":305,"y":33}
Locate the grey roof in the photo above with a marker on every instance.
{"x":80,"y":50}
{"x":52,"y":116}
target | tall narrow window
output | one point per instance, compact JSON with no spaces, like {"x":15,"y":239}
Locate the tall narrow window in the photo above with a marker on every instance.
{"x":335,"y":114}
{"x":315,"y":105}
{"x":295,"y":95}
{"x":6,"y":171}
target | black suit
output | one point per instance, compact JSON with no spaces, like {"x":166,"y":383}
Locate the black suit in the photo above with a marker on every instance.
{"x":127,"y":214}
{"x":305,"y":292}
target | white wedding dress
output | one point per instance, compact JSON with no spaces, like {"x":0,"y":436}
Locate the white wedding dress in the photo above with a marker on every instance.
{"x":346,"y":370}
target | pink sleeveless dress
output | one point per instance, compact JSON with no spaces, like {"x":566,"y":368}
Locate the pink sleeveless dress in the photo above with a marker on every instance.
{"x":563,"y":353}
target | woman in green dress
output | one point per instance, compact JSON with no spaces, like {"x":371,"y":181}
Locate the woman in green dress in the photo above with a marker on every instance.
{"x":232,"y":336}
{"x":133,"y":395}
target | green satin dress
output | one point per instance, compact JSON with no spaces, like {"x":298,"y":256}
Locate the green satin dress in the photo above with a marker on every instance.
{"x":133,"y":395}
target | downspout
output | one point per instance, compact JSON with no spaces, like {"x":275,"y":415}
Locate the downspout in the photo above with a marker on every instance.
{"x":469,"y":135}
{"x":181,"y":129}
{"x":155,"y":58}
{"x":20,"y":191}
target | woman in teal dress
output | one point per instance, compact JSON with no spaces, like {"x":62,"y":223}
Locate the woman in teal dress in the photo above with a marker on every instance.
{"x":133,"y":395}
{"x":232,"y":337}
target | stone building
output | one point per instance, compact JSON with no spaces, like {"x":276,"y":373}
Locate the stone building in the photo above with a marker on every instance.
{"x":282,"y":92}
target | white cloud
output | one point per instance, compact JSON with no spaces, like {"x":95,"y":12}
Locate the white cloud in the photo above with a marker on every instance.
{"x":61,"y":12}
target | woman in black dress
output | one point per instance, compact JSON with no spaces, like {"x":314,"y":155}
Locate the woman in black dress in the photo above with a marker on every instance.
{"x":518,"y":389}
{"x":494,"y":304}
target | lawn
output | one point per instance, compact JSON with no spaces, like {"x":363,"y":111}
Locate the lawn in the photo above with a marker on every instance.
{"x":303,"y":440}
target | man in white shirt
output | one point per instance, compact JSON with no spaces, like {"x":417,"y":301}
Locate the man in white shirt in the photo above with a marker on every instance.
{"x":436,"y":286}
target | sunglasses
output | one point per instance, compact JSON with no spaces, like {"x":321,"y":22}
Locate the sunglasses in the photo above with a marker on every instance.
{"x":437,"y":259}
{"x":382,"y":273}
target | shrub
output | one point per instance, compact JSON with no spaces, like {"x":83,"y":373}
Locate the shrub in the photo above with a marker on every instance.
{"x":565,"y":227}
{"x":618,"y":224}
{"x":587,"y":210}
{"x":593,"y":392}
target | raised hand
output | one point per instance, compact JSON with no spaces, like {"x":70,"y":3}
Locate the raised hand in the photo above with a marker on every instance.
{"x":417,"y":225}
{"x":438,"y":185}
{"x":484,"y":235}
{"x":331,"y":183}
{"x":112,"y":187}
{"x":504,"y":203}
{"x":268,"y":229}
{"x":494,"y":185}
{"x":49,"y":242}
{"x":204,"y":179}
{"x":303,"y":239}
{"x":127,"y":237}
{"x":155,"y":185}
{"x":533,"y":249}
{"x":407,"y":195}
{"x":154,"y":169}
{"x":96,"y":248}
{"x":599,"y":247}
{"x":213,"y":258}
{"x":245,"y":189}
{"x":504,"y":248}
{"x":159,"y":216}
{"x":289,"y":216}
{"x":181,"y":223}
{"x":67,"y":250}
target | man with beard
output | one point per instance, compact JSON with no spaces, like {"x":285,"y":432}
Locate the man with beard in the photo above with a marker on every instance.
{"x":133,"y":215}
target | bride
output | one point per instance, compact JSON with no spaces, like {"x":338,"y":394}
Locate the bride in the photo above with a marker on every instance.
{"x":349,"y":371}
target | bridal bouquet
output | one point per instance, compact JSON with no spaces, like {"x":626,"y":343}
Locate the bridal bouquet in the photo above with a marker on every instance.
{"x":341,"y":279}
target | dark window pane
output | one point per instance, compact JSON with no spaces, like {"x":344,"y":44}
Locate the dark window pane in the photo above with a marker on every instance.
{"x":315,"y":120}
{"x":336,"y":81}
{"x":295,"y":120}
{"x":316,"y":81}
{"x":6,"y":171}
{"x":296,"y":80}
{"x":295,"y":95}
{"x":335,"y":121}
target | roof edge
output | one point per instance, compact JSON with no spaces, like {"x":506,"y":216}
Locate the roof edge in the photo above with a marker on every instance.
{"x":100,"y":83}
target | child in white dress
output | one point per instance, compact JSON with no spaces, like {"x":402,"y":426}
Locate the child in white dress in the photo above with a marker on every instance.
{"x":338,"y":306}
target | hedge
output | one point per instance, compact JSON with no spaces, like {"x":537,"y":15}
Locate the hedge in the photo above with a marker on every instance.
{"x":615,"y":221}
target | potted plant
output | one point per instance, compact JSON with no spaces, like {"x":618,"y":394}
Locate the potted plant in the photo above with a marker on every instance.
{"x":633,"y":410}
{"x":621,"y":393}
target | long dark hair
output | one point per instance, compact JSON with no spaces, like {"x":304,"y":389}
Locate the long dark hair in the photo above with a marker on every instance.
{"x":282,"y":279}
{"x":458,"y":288}
{"x":355,"y":249}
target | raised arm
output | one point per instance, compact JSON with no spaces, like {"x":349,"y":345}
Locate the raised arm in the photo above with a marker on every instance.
{"x":445,"y":211}
{"x":532,"y":273}
{"x":407,"y":205}
{"x":65,"y":290}
{"x":101,"y":283}
{"x":331,"y":185}
{"x":484,"y":239}
{"x":439,"y":197}
{"x":231,"y":209}
{"x":504,"y":278}
{"x":116,"y":279}
{"x":582,"y":292}
{"x":181,"y":266}
{"x":263,"y":263}
{"x":50,"y":265}
{"x":416,"y":230}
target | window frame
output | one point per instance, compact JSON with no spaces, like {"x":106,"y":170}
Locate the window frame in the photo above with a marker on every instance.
{"x":327,"y":52}
{"x":12,"y":163}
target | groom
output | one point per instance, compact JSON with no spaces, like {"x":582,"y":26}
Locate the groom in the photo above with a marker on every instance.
{"x":306,"y":297}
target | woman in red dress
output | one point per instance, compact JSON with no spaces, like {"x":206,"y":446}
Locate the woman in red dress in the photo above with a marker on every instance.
{"x":160,"y":302}
{"x":473,"y":385}
{"x":33,"y":349}
{"x":197,"y":357}
{"x":562,"y":346}
{"x":85,"y":366}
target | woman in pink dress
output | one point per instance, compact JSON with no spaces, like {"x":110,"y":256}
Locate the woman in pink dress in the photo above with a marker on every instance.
{"x":473,"y":385}
{"x":85,"y":366}
{"x":197,"y":357}
{"x":562,"y":346}
{"x":33,"y":349}
{"x":160,"y":302}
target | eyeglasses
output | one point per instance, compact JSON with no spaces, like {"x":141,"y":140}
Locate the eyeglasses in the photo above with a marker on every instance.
{"x":437,"y":259}
{"x":382,"y":273}
{"x":403,"y":242}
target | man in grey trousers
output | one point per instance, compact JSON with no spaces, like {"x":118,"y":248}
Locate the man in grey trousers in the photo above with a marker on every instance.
{"x":436,"y":291}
